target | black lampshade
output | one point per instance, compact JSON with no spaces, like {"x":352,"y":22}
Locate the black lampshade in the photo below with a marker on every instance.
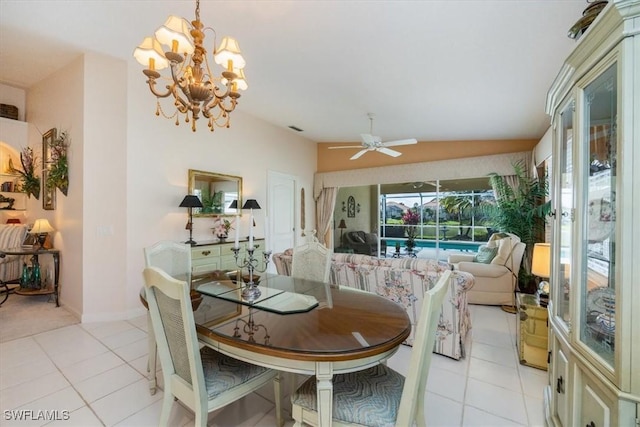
{"x":342,"y":224}
{"x":191,"y":201}
{"x":251,"y":204}
{"x":234,"y":204}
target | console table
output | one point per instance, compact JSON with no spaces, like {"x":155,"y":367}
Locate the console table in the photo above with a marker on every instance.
{"x":35,"y":252}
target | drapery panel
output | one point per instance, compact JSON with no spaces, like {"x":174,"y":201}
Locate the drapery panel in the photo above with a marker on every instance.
{"x":325,"y":203}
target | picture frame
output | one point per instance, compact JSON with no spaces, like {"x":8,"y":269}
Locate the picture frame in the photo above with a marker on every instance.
{"x":48,"y":193}
{"x":351,"y":207}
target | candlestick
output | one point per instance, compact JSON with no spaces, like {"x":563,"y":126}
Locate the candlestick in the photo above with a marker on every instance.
{"x":251,"y":230}
{"x":237,"y":244}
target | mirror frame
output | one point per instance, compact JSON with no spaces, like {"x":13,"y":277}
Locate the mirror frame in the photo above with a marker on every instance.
{"x":198,"y":175}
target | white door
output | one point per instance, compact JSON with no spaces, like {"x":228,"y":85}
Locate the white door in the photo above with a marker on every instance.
{"x":281,"y":202}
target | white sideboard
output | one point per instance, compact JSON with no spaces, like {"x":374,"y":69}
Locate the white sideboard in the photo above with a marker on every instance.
{"x":211,"y":256}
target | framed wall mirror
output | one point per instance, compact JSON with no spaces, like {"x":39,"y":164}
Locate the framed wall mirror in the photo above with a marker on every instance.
{"x":216,"y":192}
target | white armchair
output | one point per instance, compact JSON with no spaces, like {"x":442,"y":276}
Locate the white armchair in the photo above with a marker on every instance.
{"x":496,"y":280}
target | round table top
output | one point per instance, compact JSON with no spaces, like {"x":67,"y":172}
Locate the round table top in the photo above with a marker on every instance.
{"x":348,"y":324}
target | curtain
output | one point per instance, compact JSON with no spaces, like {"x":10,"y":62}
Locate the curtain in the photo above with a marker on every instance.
{"x":325,"y":204}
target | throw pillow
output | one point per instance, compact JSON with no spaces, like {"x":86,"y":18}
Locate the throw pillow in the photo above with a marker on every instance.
{"x":505,"y":247}
{"x":485,"y":254}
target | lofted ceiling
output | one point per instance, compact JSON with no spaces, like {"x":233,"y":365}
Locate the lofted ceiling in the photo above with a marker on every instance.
{"x":432,"y":70}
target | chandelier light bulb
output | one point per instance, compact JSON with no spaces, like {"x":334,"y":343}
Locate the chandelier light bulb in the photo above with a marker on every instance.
{"x":228,"y":54}
{"x":150,"y":53}
{"x":175,"y":33}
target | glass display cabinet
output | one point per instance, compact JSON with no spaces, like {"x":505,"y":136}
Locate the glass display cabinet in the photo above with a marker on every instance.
{"x":594,"y":307}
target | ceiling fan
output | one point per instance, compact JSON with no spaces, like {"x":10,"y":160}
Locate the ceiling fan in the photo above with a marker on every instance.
{"x":374,"y":143}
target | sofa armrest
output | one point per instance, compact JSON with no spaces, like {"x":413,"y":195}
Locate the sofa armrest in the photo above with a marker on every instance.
{"x":479,"y":269}
{"x":454,"y":258}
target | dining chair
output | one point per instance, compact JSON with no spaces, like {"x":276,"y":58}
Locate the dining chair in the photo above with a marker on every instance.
{"x":311,"y":260}
{"x":380,"y":396}
{"x":175,"y":259}
{"x":202,"y":379}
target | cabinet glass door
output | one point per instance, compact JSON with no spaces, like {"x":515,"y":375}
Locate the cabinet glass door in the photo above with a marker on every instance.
{"x":598,"y":298}
{"x":565,"y":211}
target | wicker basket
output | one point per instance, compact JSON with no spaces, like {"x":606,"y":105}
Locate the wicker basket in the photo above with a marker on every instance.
{"x":9,"y":111}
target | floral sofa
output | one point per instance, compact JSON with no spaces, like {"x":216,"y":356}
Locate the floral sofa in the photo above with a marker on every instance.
{"x":404,"y":281}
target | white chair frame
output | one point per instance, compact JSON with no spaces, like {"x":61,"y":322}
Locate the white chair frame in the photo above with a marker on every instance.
{"x":161,"y":255}
{"x":411,"y":405}
{"x":192,"y":393}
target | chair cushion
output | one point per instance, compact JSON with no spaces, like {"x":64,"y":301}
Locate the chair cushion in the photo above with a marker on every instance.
{"x":222,"y":372}
{"x":486,"y":254}
{"x":370,"y":397}
{"x":505,"y":247}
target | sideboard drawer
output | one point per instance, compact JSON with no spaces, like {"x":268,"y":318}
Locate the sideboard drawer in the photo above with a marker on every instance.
{"x":211,"y":251}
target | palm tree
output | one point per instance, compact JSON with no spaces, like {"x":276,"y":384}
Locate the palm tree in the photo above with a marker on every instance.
{"x":520,"y":209}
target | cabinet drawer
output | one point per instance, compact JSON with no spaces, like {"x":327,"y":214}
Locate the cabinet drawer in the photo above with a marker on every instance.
{"x":205,"y":252}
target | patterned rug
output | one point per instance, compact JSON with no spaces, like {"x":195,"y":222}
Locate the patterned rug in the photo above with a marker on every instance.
{"x":22,"y":316}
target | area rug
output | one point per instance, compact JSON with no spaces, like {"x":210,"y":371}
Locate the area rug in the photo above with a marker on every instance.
{"x":22,"y":316}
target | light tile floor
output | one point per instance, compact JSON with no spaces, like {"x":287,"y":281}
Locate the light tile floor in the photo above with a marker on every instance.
{"x":97,"y":372}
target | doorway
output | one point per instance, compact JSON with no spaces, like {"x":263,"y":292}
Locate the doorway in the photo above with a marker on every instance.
{"x":281,"y":202}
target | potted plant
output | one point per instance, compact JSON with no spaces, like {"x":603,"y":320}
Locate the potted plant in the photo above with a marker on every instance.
{"x":58,"y":173}
{"x":520,"y":209}
{"x":29,"y":181}
{"x":411,"y":218}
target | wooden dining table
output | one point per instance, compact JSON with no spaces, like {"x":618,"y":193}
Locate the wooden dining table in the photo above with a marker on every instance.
{"x":301,"y":326}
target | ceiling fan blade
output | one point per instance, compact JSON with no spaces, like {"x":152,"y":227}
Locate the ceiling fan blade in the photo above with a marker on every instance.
{"x":400,"y":142}
{"x":359,"y":154}
{"x":367,"y":139}
{"x":389,"y":152}
{"x":345,"y":146}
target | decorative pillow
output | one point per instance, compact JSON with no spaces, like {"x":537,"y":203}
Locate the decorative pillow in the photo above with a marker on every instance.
{"x":504,"y":251}
{"x":485,"y":254}
{"x":495,"y":238}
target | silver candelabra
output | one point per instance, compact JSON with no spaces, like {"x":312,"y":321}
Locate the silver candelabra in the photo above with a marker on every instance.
{"x":250,"y":292}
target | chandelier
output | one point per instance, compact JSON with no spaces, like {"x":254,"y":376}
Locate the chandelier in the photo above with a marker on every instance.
{"x":193,"y":87}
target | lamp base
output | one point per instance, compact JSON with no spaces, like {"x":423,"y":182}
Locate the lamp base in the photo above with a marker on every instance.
{"x":191,"y":242}
{"x":42,"y":238}
{"x":543,"y":293}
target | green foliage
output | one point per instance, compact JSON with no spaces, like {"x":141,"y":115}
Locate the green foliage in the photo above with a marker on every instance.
{"x":29,"y":181}
{"x":58,"y":173}
{"x":521,"y":210}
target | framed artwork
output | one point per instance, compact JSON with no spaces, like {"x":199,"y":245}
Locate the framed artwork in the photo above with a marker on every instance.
{"x":351,"y":207}
{"x":48,"y":192}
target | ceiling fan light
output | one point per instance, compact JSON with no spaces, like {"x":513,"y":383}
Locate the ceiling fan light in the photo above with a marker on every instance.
{"x":149,"y":53}
{"x":175,"y":33}
{"x":229,"y":50}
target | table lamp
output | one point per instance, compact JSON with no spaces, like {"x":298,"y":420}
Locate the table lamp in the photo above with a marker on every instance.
{"x":541,"y":266}
{"x":190,"y":201}
{"x":41,"y":228}
{"x":342,"y":226}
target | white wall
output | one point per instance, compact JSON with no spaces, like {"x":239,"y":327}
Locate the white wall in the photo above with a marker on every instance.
{"x":58,"y":102}
{"x":128,"y":174}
